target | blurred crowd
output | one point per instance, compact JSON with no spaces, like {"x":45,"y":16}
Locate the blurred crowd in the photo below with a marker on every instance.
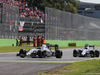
{"x":24,"y":10}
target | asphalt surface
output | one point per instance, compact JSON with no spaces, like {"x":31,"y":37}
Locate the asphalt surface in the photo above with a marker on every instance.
{"x":10,"y":64}
{"x":9,"y":68}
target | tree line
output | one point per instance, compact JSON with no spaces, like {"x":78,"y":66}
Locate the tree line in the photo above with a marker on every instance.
{"x":65,"y":5}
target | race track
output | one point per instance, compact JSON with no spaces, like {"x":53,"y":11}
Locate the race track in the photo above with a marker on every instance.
{"x":10,"y":64}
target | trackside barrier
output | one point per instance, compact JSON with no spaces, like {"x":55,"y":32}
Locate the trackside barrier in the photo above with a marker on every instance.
{"x":7,"y":42}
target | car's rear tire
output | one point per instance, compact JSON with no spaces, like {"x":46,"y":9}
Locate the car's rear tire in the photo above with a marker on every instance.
{"x":75,"y":53}
{"x":96,"y":53}
{"x":58,"y":54}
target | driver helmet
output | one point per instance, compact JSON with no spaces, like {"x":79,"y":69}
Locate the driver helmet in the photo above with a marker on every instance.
{"x":43,"y":46}
{"x":86,"y":46}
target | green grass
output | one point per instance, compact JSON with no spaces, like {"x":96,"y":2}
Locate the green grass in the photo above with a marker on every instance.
{"x":78,"y":68}
{"x":13,"y":49}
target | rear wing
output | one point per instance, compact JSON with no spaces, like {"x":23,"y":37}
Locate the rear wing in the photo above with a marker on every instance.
{"x":92,"y":46}
{"x":50,"y":45}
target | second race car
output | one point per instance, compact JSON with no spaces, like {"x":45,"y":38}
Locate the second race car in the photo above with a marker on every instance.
{"x":89,"y":50}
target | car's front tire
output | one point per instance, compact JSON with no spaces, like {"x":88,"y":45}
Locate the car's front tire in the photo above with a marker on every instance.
{"x":22,"y":53}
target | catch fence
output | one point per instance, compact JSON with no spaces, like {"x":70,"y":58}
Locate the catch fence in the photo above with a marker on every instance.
{"x":61,"y":25}
{"x":9,"y":17}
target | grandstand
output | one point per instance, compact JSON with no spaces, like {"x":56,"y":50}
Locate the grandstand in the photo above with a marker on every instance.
{"x":32,"y":26}
{"x":10,"y":18}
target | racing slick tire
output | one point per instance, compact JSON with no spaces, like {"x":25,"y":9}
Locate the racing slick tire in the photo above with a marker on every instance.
{"x":75,"y":53}
{"x":58,"y":54}
{"x":22,"y":53}
{"x":96,"y":53}
{"x":92,"y":54}
{"x":41,"y":54}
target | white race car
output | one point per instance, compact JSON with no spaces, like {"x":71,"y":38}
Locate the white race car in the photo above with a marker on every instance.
{"x":86,"y":52}
{"x":41,"y":52}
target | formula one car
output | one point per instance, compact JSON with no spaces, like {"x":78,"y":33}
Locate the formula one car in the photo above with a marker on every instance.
{"x":86,"y":52}
{"x":41,"y":52}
